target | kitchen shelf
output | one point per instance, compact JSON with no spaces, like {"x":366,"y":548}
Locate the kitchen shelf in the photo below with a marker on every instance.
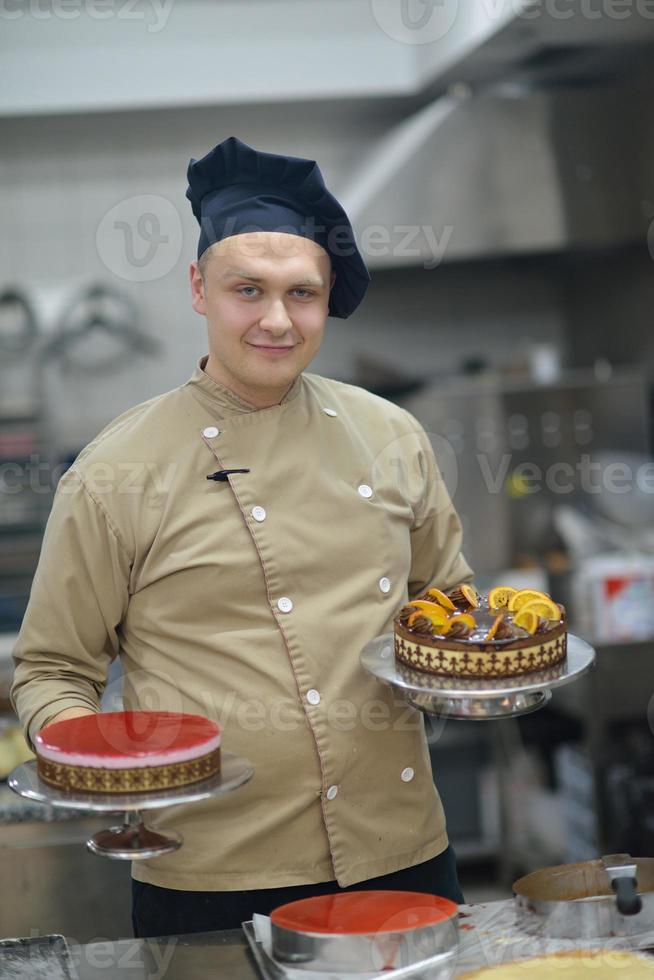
{"x":32,"y":528}
{"x":20,"y":415}
{"x":24,"y":511}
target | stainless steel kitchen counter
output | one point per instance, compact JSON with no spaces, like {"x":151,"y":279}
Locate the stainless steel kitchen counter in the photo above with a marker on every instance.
{"x":194,"y":957}
{"x":17,"y":809}
{"x":489,"y":935}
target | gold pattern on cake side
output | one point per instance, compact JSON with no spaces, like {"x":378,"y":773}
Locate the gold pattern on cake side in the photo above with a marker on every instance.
{"x":440,"y":683}
{"x":138,"y":779}
{"x":526,"y":656}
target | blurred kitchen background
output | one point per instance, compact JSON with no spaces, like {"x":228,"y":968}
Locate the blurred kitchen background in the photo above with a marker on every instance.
{"x":498,"y":162}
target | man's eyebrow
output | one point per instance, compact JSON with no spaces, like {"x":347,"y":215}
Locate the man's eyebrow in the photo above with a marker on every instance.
{"x":241,"y":274}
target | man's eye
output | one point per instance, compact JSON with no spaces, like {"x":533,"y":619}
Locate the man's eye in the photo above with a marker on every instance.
{"x":303,"y":293}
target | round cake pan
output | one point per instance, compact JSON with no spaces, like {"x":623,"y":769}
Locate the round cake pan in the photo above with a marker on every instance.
{"x":364,"y":931}
{"x":575,"y":901}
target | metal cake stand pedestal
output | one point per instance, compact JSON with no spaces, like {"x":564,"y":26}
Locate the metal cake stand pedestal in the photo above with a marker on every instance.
{"x":132,"y":840}
{"x":472,"y":699}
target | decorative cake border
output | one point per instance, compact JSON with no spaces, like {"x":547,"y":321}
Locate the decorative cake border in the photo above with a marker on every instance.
{"x":447,"y":658}
{"x":137,"y":779}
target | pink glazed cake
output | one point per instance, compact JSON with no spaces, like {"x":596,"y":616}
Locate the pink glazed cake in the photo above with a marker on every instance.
{"x":128,"y":751}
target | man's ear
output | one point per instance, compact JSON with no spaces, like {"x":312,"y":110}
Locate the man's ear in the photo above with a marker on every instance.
{"x":197,"y":289}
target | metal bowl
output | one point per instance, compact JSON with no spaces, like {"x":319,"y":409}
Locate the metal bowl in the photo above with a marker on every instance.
{"x":575,"y":901}
{"x":364,"y":931}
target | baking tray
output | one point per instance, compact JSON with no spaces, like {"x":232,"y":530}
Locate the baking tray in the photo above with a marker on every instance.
{"x":36,"y":958}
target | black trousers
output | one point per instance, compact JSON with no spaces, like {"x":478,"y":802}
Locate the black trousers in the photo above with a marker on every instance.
{"x":170,"y":912}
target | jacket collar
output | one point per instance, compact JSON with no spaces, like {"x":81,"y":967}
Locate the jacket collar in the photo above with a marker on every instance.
{"x":222,"y":399}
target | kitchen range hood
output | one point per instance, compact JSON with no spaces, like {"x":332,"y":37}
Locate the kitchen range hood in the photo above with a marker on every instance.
{"x":530,"y":42}
{"x":543,"y":141}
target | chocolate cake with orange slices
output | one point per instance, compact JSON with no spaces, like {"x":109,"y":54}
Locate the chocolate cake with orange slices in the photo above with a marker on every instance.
{"x":461,"y":633}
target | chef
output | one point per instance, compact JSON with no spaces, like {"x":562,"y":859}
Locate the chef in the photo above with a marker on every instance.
{"x":236,"y":542}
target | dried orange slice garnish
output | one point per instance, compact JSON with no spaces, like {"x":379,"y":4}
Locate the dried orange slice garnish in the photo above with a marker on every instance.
{"x":441,"y":599}
{"x":430,"y":607}
{"x":464,"y":618}
{"x":545,"y":608}
{"x":497,"y":622}
{"x":523,"y":596}
{"x":527,"y":619}
{"x":500,"y":597}
{"x":435,"y":618}
{"x":471,"y":596}
{"x":464,"y":596}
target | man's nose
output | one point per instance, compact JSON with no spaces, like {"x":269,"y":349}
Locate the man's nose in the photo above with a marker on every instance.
{"x":276,"y":317}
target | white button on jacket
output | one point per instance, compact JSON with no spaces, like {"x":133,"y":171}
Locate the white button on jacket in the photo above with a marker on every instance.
{"x":284,"y":604}
{"x":211,"y":432}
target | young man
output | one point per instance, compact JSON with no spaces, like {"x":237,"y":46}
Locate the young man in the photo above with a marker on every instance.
{"x":237,"y":541}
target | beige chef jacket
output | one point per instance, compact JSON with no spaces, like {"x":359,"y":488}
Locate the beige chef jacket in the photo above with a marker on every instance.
{"x":249,"y":601}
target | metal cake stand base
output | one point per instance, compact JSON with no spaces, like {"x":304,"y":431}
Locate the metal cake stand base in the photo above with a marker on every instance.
{"x":475,"y":699}
{"x":132,"y":840}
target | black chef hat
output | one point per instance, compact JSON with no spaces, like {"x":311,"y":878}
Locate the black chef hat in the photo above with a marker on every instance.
{"x":235,"y":189}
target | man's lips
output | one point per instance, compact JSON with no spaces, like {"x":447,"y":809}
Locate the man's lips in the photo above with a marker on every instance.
{"x":272,"y":350}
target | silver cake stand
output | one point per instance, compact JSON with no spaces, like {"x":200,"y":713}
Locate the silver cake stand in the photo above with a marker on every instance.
{"x":472,"y":699}
{"x":132,"y":840}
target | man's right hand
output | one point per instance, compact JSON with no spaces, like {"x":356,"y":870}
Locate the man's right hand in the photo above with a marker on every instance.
{"x":71,"y":713}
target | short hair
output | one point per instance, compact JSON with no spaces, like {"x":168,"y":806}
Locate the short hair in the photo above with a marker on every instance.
{"x":203,"y":262}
